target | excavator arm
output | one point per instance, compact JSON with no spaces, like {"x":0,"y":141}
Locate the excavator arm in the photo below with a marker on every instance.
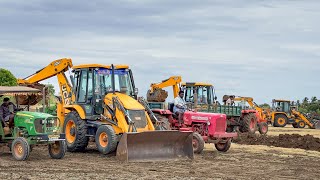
{"x":55,"y":68}
{"x":156,"y":94}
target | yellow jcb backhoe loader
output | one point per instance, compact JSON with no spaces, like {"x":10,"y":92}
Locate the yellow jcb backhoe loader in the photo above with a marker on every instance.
{"x":284,"y":113}
{"x":100,"y":102}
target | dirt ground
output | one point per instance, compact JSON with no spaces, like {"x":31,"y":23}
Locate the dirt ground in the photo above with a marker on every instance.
{"x":242,"y":161}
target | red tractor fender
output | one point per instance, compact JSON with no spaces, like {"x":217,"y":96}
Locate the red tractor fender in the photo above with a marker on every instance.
{"x":162,"y":111}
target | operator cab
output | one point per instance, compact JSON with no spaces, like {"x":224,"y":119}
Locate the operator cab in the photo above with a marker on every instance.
{"x":93,"y":82}
{"x":205,"y":93}
{"x":281,"y":105}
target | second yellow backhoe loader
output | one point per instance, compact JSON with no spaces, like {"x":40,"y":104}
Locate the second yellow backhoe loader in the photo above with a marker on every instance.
{"x":100,"y":102}
{"x":284,"y":113}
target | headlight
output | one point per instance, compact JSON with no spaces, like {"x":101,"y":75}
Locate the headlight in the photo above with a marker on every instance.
{"x":208,"y":122}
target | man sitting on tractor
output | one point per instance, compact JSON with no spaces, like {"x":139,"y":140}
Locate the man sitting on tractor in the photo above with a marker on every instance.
{"x":180,"y":106}
{"x":7,"y":112}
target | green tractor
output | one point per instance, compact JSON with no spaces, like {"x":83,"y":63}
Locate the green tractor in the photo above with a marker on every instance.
{"x":31,"y":128}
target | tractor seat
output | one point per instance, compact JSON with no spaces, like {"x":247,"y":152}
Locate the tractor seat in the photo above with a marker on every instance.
{"x":170,"y":107}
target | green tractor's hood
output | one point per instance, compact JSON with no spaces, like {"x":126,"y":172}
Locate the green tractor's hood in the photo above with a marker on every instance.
{"x":33,"y":115}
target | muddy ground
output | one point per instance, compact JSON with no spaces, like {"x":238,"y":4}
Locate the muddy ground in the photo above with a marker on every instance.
{"x":240,"y":162}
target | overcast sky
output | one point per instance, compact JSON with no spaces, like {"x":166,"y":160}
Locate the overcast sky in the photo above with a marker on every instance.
{"x":264,"y":49}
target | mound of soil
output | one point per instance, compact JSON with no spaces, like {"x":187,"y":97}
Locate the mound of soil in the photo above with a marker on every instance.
{"x":307,"y":142}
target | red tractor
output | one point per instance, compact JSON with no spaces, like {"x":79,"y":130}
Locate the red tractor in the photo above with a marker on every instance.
{"x":207,"y":127}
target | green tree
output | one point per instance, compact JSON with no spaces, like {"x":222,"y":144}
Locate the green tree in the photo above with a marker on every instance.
{"x":305,"y":101}
{"x":51,"y":89}
{"x":7,"y":78}
{"x":314,"y":99}
{"x":265,"y":106}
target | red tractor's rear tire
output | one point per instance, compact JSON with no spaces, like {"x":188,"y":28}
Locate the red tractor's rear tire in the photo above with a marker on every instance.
{"x":223,"y":147}
{"x":249,"y":123}
{"x":263,"y":128}
{"x":165,"y":124}
{"x":197,"y":143}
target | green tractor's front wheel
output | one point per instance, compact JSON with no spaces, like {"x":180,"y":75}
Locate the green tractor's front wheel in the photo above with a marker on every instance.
{"x":75,"y":130}
{"x":57,"y":150}
{"x":20,"y":149}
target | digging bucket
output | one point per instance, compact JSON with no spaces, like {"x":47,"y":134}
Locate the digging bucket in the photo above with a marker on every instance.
{"x":155,"y":146}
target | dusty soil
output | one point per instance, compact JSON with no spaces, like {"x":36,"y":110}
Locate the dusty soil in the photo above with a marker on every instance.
{"x":240,"y":162}
{"x":307,"y":142}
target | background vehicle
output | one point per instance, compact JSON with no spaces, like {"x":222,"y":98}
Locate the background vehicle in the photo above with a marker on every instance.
{"x":201,"y":97}
{"x":100,"y":102}
{"x":284,"y":113}
{"x":261,"y":114}
{"x":31,"y":128}
{"x":207,"y":127}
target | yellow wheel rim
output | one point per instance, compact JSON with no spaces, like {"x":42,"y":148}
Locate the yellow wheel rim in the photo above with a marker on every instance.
{"x":103,"y":139}
{"x":281,"y":121}
{"x":70,"y":136}
{"x":301,"y":124}
{"x":18,"y":149}
{"x":55,"y":148}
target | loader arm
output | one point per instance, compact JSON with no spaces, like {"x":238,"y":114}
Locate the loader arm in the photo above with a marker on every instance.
{"x":173,"y":81}
{"x":55,"y":68}
{"x":302,"y":117}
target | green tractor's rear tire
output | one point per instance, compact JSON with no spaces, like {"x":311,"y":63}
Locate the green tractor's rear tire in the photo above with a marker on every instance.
{"x":301,"y":124}
{"x":197,"y":143}
{"x":57,"y":150}
{"x":223,"y":147}
{"x":280,"y":120}
{"x":249,"y":123}
{"x":20,"y":149}
{"x":75,"y":129}
{"x":106,"y":139}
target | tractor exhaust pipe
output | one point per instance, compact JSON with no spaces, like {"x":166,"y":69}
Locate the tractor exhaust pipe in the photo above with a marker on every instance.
{"x":112,"y":79}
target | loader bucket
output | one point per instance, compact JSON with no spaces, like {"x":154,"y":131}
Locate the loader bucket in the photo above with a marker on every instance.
{"x":155,"y":146}
{"x":316,"y":125}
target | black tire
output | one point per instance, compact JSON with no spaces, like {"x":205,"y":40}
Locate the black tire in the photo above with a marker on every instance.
{"x":81,"y":140}
{"x":249,"y":123}
{"x":165,"y":125}
{"x":106,"y":139}
{"x":223,"y":147}
{"x":301,"y":124}
{"x":280,"y":120}
{"x":57,"y":150}
{"x":197,"y":143}
{"x":20,"y":149}
{"x":263,"y":128}
{"x":295,"y":125}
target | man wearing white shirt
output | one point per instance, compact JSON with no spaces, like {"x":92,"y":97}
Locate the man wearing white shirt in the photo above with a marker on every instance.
{"x":180,"y":106}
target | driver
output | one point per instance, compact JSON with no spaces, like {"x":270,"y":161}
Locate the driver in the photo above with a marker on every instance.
{"x":6,"y":113}
{"x":180,"y":106}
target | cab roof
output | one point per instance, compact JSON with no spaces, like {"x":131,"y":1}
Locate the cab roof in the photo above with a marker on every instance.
{"x":280,"y":100}
{"x":82,"y":66}
{"x":195,"y":84}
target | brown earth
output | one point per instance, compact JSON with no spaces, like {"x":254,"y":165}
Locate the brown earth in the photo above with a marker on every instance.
{"x":240,"y":162}
{"x":307,"y":142}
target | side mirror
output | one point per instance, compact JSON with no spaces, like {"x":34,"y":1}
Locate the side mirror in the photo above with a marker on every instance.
{"x":136,"y":91}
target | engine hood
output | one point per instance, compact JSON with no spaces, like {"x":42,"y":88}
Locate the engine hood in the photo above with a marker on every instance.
{"x":127,"y":101}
